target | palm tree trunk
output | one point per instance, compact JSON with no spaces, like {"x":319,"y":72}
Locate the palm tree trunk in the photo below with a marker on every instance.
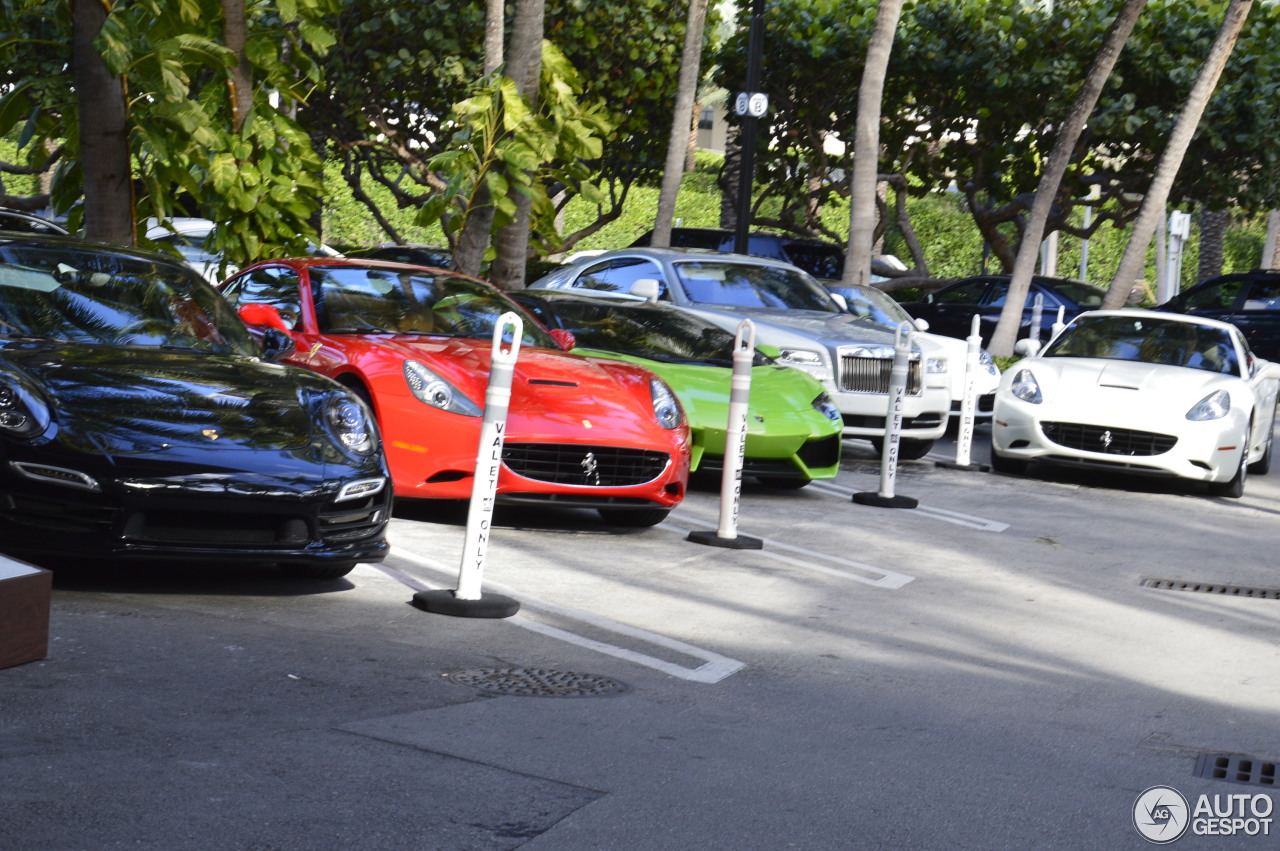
{"x":1153,"y":204}
{"x":678,"y":141}
{"x":104,"y":143}
{"x":1024,"y":264}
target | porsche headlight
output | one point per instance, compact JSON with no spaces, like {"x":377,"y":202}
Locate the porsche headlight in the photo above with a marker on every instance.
{"x":1215,"y":406}
{"x":666,"y":408}
{"x":1025,"y":387}
{"x":22,"y":413}
{"x":987,"y":362}
{"x":437,"y":392}
{"x":827,"y":408}
{"x":351,"y":425}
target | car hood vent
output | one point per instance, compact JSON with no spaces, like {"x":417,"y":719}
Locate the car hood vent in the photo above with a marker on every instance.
{"x":550,"y":382}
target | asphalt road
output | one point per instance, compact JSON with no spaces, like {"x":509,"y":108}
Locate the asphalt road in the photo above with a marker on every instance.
{"x":984,"y":671}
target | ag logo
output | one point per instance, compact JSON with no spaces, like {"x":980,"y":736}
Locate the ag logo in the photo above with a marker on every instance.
{"x":1161,"y":814}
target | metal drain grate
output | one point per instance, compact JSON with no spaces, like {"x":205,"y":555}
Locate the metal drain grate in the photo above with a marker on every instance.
{"x":1212,"y":588}
{"x":538,"y":682}
{"x":1236,"y":768}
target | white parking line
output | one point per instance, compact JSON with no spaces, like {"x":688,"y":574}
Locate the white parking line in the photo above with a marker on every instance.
{"x":945,"y":514}
{"x":867,"y":574}
{"x":714,"y":669}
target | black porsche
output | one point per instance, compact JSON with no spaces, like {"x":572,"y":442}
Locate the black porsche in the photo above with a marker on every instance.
{"x":139,"y":419}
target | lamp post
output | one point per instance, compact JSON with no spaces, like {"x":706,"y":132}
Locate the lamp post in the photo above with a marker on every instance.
{"x":751,"y":105}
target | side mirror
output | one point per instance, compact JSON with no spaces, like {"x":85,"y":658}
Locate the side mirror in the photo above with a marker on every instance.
{"x":276,"y":344}
{"x":646,"y":288}
{"x":1027,"y":347}
{"x":263,"y":315}
{"x":840,"y":300}
{"x":922,"y":324}
{"x":771,"y":352}
{"x":565,"y":338}
{"x":1271,"y":371}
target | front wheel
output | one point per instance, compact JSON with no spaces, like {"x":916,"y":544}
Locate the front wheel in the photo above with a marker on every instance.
{"x":634,"y":518}
{"x":1233,"y":488}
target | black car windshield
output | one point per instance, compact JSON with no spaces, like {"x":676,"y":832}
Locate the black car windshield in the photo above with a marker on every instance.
{"x":647,"y":332}
{"x":1148,"y":340}
{"x":373,"y":300}
{"x":748,"y":285}
{"x":94,"y":295}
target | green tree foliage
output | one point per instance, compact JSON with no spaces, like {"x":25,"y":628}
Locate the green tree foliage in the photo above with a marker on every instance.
{"x":264,"y":182}
{"x":400,"y":67}
{"x":975,"y":93}
{"x":499,"y":144}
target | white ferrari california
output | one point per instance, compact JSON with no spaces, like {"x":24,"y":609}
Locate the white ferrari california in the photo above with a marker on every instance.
{"x":1142,"y":392}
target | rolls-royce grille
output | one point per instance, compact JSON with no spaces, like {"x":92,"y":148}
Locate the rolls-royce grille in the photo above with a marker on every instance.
{"x":1111,"y":441}
{"x":591,"y":466}
{"x":873,"y":375}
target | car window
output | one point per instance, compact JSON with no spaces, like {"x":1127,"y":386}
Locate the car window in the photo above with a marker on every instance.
{"x":821,"y":261}
{"x":1085,"y":297}
{"x":618,"y":275}
{"x":648,"y":332}
{"x":966,"y":293}
{"x":1148,"y":340}
{"x":749,"y":285}
{"x":276,"y":286}
{"x":365,"y":300}
{"x":94,"y":296}
{"x":1264,"y":295}
{"x":1221,"y":295}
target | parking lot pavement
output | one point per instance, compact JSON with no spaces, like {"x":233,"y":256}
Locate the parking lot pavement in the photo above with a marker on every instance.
{"x":987,"y":670}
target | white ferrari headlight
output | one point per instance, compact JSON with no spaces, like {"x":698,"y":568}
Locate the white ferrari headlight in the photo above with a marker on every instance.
{"x":1215,"y":406}
{"x":437,"y":392}
{"x":1025,"y":387}
{"x":666,"y":409}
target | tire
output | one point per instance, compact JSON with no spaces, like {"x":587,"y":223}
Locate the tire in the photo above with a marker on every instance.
{"x":634,"y":519}
{"x":1233,"y":488}
{"x":1005,"y":464}
{"x":1263,"y":465}
{"x":318,"y":571}
{"x":908,"y":450}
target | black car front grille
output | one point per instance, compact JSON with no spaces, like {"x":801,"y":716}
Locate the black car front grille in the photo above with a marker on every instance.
{"x":354,"y":520}
{"x":591,"y":466}
{"x":821,"y":453}
{"x":71,"y":512}
{"x":231,"y":528}
{"x":1110,"y":441}
{"x":873,"y":375}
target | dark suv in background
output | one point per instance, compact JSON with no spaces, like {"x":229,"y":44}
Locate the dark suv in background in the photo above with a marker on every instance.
{"x":1248,"y":300}
{"x":823,"y":260}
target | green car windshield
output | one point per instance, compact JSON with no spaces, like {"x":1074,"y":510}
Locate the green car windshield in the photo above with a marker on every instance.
{"x":372,"y":300}
{"x":647,"y":332}
{"x":90,"y":295}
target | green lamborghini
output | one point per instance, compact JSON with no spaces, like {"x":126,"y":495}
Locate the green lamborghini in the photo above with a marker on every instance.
{"x":793,"y":428}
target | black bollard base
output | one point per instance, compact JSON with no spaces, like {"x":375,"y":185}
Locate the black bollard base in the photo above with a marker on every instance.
{"x":446,"y":603}
{"x":952,"y":465}
{"x":878,"y":501}
{"x":712,"y":539}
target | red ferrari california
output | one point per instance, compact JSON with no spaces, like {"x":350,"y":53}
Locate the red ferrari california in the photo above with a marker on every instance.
{"x":416,"y":344}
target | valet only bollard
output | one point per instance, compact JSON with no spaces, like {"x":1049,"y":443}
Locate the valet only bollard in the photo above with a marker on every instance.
{"x":889,"y":455}
{"x":466,"y":601}
{"x":1058,"y":326}
{"x":735,"y":447}
{"x":968,"y":404}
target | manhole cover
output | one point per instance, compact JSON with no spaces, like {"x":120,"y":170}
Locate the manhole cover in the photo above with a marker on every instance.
{"x":538,"y":682}
{"x":1212,"y":588}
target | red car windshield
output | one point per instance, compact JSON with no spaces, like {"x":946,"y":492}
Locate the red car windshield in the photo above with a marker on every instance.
{"x":373,"y":300}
